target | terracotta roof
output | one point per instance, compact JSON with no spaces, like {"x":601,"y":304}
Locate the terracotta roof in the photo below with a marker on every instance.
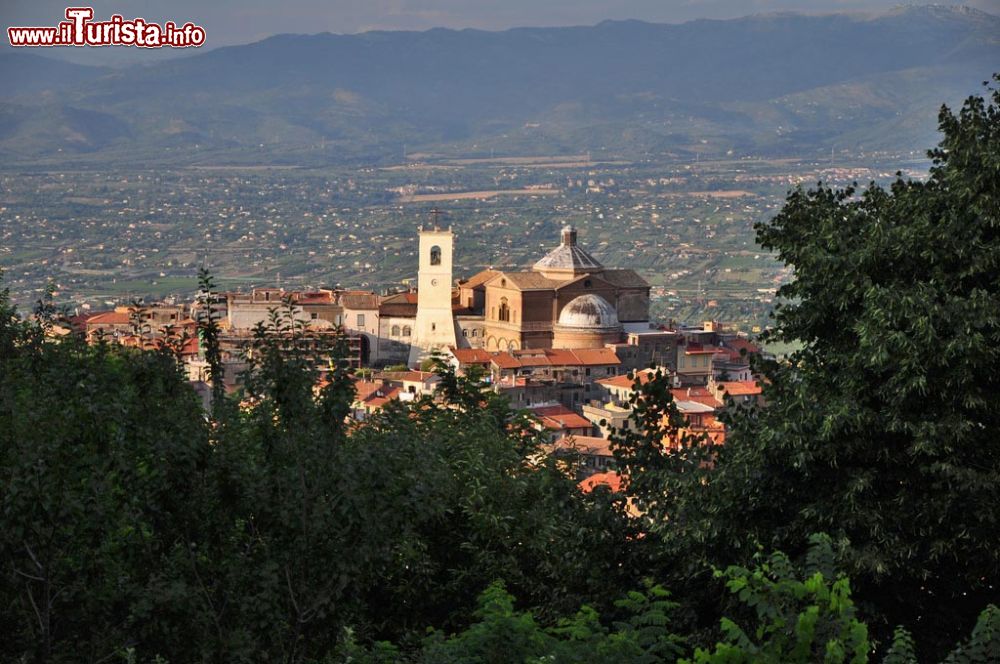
{"x":471,"y":355}
{"x":401,"y":304}
{"x":560,"y":417}
{"x":478,"y":279}
{"x":412,"y":376}
{"x":612,"y":480}
{"x":627,"y":381}
{"x":739,"y":343}
{"x":697,"y":394}
{"x":398,"y":310}
{"x":624,"y":279}
{"x":359,"y":300}
{"x":505,"y":360}
{"x":531,"y":357}
{"x":526,"y":281}
{"x":365,"y":388}
{"x":596,"y":356}
{"x":374,"y":394}
{"x":313,"y":297}
{"x":387,"y":395}
{"x":109,"y":318}
{"x":555,"y":357}
{"x":589,"y":445}
{"x":406,"y":297}
{"x":739,"y":388}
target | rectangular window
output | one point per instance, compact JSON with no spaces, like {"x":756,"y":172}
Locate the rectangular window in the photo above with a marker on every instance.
{"x":313,"y":316}
{"x":361,"y":320}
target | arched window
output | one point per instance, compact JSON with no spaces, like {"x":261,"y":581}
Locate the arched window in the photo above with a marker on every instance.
{"x":475,"y":332}
{"x":465,"y":332}
{"x":407,"y":331}
{"x":435,"y":255}
{"x":395,"y":331}
{"x":504,"y":310}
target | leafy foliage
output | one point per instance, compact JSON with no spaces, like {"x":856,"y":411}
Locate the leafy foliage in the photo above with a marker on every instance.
{"x":132,"y":521}
{"x":800,"y":617}
{"x":882,"y":430}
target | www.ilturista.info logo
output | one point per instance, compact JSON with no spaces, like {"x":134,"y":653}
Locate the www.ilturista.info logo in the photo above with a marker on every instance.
{"x":79,"y":30}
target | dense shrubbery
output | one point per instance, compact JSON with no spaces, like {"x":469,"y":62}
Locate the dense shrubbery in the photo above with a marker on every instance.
{"x":136,"y":526}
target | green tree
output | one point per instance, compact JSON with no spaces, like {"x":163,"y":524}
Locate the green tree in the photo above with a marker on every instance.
{"x":101,"y":451}
{"x":800,"y":614}
{"x":883,"y":429}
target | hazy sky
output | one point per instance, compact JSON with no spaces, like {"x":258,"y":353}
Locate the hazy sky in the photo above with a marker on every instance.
{"x":240,"y":21}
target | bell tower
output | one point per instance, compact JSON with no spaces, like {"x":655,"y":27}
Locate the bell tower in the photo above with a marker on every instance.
{"x":435,"y":325}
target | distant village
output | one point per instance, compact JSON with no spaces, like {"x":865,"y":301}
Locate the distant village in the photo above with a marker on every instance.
{"x":567,"y":341}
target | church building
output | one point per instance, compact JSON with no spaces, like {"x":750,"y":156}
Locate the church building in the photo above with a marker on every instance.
{"x":566,"y":300}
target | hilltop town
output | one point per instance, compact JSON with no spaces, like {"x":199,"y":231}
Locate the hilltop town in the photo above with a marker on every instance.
{"x":567,"y":341}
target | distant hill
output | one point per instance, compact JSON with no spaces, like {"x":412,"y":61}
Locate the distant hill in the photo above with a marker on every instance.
{"x":767,"y":84}
{"x":24,"y":72}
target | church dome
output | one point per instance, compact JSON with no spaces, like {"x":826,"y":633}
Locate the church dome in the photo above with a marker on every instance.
{"x":588,"y":311}
{"x":568,"y":259}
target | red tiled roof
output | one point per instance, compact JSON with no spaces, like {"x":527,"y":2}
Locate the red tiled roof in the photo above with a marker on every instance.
{"x":739,"y":343}
{"x":374,"y":394}
{"x":596,"y":356}
{"x":555,"y":357}
{"x":109,"y":318}
{"x":505,"y":360}
{"x":387,"y":395}
{"x":612,"y":480}
{"x":478,"y":279}
{"x":541,"y":358}
{"x":560,"y":417}
{"x":401,"y":298}
{"x":700,"y":395}
{"x":471,"y":355}
{"x":739,"y":388}
{"x":359,"y":300}
{"x":365,"y":388}
{"x":313,"y":297}
{"x":591,"y":445}
{"x":627,"y":380}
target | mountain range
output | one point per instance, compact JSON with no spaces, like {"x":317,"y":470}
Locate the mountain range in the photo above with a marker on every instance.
{"x":777,"y":84}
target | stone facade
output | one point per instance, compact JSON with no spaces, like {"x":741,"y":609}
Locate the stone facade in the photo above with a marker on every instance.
{"x":567,"y":300}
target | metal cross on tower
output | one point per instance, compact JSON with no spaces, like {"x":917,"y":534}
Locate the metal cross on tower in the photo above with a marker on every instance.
{"x":436,"y":214}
